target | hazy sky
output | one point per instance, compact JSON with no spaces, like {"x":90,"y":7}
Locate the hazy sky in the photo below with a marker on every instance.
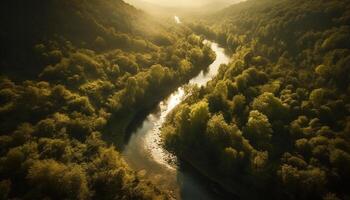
{"x":184,"y":2}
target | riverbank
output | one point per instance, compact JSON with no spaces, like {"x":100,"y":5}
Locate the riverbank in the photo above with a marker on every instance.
{"x":236,"y":190}
{"x":145,"y":152}
{"x":120,"y":127}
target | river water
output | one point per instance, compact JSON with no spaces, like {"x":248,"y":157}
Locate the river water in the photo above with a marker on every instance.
{"x":144,"y":151}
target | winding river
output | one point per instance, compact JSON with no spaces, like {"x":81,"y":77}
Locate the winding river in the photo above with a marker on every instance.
{"x":145,"y":153}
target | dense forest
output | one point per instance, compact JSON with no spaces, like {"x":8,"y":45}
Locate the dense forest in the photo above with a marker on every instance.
{"x":274,"y":124}
{"x":74,"y":74}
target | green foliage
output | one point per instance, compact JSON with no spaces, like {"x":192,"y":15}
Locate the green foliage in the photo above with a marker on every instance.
{"x":317,"y":96}
{"x":271,"y":106}
{"x":258,"y":130}
{"x":51,"y":178}
{"x":76,"y":72}
{"x":218,"y":132}
{"x":287,"y":89}
{"x":199,"y":115}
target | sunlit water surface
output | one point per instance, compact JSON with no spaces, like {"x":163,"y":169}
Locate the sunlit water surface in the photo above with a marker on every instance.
{"x":177,"y":19}
{"x":144,"y":151}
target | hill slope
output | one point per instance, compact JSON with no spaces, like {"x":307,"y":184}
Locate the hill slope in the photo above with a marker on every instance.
{"x":73,"y":73}
{"x":97,"y":25}
{"x":275,"y":121}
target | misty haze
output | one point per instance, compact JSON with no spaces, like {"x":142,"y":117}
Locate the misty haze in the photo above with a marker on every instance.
{"x":165,"y":99}
{"x":186,"y":3}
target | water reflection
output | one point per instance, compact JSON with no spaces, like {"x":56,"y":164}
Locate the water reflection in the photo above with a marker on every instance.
{"x":177,"y":19}
{"x":144,"y":150}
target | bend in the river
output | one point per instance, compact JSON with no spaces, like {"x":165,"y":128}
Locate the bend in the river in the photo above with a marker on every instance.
{"x":145,"y":153}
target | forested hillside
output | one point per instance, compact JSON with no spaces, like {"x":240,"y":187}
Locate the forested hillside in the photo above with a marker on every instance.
{"x":275,"y":123}
{"x":73,"y":73}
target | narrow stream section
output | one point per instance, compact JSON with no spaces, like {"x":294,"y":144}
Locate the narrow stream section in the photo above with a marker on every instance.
{"x":145,"y":153}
